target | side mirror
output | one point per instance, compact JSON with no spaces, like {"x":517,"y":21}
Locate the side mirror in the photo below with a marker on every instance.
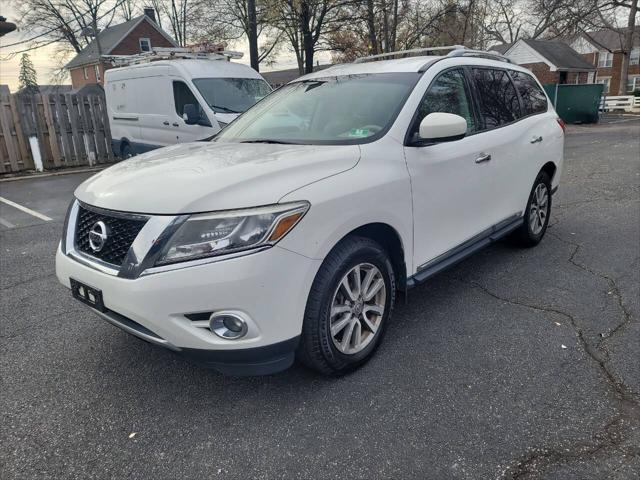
{"x":442,"y":127}
{"x":191,"y":114}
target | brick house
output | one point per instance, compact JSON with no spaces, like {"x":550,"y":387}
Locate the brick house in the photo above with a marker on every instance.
{"x":603,"y":48}
{"x":138,"y":35}
{"x":550,"y":61}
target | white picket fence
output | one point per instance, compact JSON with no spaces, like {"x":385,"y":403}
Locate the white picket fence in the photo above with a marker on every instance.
{"x":628,"y":103}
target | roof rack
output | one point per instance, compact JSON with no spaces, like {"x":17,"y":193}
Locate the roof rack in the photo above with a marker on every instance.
{"x":407,"y":53}
{"x":203,"y":51}
{"x":468,"y":52}
{"x":455,"y":51}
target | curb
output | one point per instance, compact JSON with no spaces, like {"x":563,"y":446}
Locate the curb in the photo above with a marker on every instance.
{"x":30,"y":176}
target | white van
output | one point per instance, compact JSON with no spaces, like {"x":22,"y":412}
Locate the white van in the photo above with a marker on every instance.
{"x":160,"y":103}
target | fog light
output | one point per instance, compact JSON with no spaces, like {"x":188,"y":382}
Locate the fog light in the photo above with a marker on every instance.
{"x":228,"y":326}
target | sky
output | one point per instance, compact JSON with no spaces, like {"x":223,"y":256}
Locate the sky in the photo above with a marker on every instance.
{"x":47,"y":59}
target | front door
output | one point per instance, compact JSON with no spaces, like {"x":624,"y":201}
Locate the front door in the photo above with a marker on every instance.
{"x":452,"y":187}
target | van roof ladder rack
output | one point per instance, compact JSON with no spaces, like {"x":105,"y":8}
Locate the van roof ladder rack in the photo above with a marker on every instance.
{"x":454,"y":51}
{"x":197,"y":52}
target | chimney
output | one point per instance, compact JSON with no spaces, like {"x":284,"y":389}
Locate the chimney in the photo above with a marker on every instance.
{"x":150,"y":12}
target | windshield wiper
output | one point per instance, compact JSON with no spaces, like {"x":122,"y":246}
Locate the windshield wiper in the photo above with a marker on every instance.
{"x":226,"y":109}
{"x":268,"y":140}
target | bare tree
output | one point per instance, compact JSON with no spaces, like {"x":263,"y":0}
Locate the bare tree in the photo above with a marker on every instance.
{"x":71,"y":24}
{"x":236,"y":19}
{"x":308,"y":24}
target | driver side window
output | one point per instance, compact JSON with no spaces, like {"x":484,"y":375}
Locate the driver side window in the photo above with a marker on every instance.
{"x":182,"y":96}
{"x":447,"y":94}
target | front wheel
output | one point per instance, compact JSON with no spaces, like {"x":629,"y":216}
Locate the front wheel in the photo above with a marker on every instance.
{"x":536,"y":215}
{"x":348,"y":307}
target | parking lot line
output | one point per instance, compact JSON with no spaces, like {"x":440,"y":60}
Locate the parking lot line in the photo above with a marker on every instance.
{"x":26,"y":210}
{"x":6,"y":223}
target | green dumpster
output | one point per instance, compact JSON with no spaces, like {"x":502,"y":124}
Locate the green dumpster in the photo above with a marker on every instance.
{"x":576,"y":103}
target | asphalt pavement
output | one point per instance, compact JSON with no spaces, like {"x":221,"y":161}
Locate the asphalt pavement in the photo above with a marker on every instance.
{"x":514,"y":364}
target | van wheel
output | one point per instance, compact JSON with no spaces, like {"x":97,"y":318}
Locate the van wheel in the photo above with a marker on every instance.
{"x":126,"y":151}
{"x":348,"y":307}
{"x":536,"y":215}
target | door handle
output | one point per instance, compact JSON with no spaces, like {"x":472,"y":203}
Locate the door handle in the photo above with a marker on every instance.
{"x":484,"y":157}
{"x":536,"y":139}
{"x":165,"y":123}
{"x":175,"y":124}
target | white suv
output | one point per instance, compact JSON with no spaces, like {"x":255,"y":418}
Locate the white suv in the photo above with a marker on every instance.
{"x":289,"y":234}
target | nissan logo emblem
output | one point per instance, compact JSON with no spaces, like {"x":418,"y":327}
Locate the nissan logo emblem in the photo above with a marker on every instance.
{"x":98,"y":236}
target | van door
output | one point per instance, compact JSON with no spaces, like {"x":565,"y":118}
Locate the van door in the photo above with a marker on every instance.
{"x":451,"y":182}
{"x":123,"y":112}
{"x":183,"y":95}
{"x":155,"y":107}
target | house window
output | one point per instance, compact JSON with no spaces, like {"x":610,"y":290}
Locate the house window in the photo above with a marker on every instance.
{"x":85,"y":72}
{"x":634,"y":58}
{"x":605,"y":59}
{"x":606,"y":81}
{"x":96,"y":68}
{"x":145,"y":45}
{"x":633,"y":83}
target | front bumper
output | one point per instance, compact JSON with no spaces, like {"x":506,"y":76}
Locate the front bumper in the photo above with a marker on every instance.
{"x":269,"y":289}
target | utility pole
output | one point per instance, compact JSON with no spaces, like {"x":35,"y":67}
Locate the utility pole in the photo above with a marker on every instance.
{"x":253,"y":35}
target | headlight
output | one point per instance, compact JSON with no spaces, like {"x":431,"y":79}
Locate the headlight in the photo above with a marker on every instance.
{"x":212,"y":234}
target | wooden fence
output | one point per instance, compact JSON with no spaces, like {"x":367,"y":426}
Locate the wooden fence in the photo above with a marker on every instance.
{"x":51,"y":131}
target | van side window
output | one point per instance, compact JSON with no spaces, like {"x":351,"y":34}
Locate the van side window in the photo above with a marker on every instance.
{"x":447,"y":94}
{"x":182,"y":95}
{"x":497,"y":96}
{"x":533,"y":98}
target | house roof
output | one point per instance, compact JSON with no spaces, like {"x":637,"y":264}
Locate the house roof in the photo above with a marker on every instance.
{"x":610,"y":39}
{"x":51,"y":89}
{"x":109,"y":38}
{"x":558,"y":55}
{"x":501,"y":48}
{"x":282,"y":77}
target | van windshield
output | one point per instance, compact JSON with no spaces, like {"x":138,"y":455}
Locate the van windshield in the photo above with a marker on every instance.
{"x":231,"y":95}
{"x":348,"y":109}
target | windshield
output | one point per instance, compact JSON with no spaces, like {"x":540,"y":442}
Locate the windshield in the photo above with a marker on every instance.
{"x":337,"y":110}
{"x":231,"y":95}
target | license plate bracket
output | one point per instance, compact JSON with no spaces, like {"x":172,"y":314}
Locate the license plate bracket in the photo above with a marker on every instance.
{"x":87,"y":295}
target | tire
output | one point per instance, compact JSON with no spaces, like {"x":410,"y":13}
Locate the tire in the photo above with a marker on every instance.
{"x":126,"y":151}
{"x":532,"y":230}
{"x":338,"y":354}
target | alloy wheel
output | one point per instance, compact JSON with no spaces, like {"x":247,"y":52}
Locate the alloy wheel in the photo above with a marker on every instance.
{"x":357,"y":308}
{"x":539,"y":209}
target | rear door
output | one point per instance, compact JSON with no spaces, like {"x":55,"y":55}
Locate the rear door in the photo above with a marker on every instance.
{"x":451,"y":182}
{"x":539,"y":139}
{"x":507,"y":137}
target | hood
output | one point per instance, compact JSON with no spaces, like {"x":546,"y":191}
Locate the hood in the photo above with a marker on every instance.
{"x":208,"y":176}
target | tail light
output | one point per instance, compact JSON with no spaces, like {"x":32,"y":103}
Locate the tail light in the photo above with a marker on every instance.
{"x":563,"y":125}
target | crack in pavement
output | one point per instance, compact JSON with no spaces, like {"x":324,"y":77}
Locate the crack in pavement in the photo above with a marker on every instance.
{"x":613,"y":290}
{"x":614,"y":433}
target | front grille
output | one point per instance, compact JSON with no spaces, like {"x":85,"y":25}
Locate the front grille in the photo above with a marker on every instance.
{"x":121,"y":232}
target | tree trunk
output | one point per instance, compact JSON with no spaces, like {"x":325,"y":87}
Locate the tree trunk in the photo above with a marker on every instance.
{"x":628,"y":46}
{"x":253,"y":35}
{"x":371,"y":25}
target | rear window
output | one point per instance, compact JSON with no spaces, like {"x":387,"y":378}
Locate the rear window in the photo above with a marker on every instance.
{"x":499,"y":103}
{"x":533,"y":98}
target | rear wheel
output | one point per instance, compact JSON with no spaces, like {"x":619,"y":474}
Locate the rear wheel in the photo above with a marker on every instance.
{"x":348,"y":307}
{"x":536,"y":216}
{"x":126,"y":151}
